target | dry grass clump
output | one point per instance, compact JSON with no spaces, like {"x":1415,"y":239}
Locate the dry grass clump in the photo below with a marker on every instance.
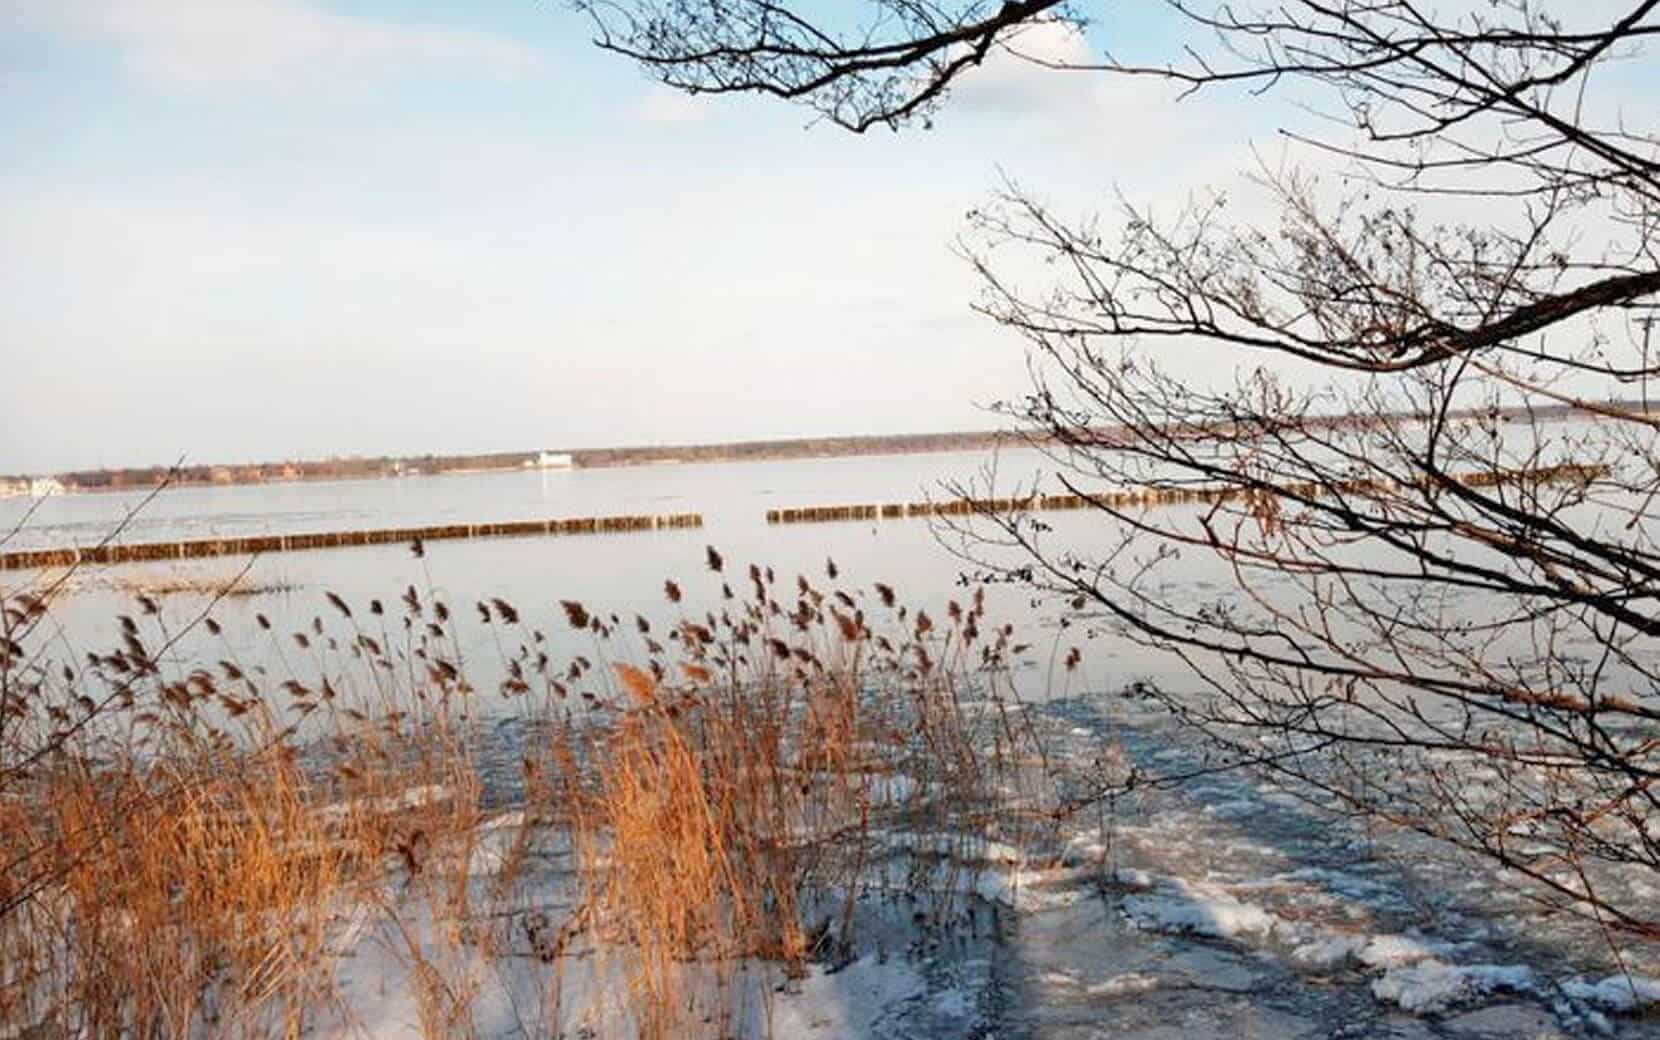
{"x":686,"y":843}
{"x":189,"y":840}
{"x":665,"y":873}
{"x":154,"y":901}
{"x":180,"y":845}
{"x":740,"y":795}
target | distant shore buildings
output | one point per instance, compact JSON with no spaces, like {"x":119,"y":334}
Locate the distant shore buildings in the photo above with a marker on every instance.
{"x":31,"y":487}
{"x":554,"y":460}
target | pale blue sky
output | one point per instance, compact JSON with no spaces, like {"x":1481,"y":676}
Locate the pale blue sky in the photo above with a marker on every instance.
{"x":255,"y":229}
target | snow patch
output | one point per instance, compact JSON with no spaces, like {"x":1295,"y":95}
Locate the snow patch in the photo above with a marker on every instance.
{"x":1330,"y":952}
{"x":849,"y":1002}
{"x":962,"y":847}
{"x":497,"y":840}
{"x":409,"y":798}
{"x":1398,"y":951}
{"x":1234,"y":809}
{"x":1376,"y":952}
{"x":1429,"y":986}
{"x":953,"y":1003}
{"x":1196,"y":908}
{"x":1126,"y":985}
{"x":1620,"y":993}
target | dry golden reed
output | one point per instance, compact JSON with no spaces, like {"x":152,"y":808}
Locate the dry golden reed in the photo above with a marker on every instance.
{"x":186,"y":837}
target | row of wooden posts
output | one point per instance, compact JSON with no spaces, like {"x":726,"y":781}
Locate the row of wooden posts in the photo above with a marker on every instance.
{"x":1156,"y":496}
{"x":981,"y":506}
{"x":188,"y":550}
{"x":1121,"y":499}
{"x":902,"y":510}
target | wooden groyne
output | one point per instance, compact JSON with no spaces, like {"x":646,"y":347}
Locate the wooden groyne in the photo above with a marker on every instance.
{"x":1144,"y":497}
{"x":902,"y":510}
{"x":28,"y":559}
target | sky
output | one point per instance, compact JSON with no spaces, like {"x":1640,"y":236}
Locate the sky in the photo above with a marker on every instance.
{"x":240,"y":230}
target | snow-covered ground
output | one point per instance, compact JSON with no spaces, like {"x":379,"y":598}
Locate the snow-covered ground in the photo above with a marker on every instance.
{"x":1216,"y":909}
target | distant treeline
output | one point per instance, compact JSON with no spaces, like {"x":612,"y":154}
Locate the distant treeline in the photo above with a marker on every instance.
{"x":355,"y":468}
{"x":350,"y":468}
{"x":798,"y":448}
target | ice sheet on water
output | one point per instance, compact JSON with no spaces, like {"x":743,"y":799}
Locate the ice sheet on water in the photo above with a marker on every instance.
{"x":953,"y":1003}
{"x":963,"y":847}
{"x":1345,"y":883}
{"x":495,"y":843}
{"x":1127,"y":985}
{"x":851,"y":1002}
{"x":409,"y":798}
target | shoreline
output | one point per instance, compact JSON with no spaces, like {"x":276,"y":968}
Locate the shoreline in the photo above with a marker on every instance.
{"x":130,"y":479}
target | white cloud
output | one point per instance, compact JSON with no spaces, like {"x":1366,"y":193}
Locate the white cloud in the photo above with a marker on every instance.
{"x":666,"y":107}
{"x":210,"y":43}
{"x":1015,"y":79}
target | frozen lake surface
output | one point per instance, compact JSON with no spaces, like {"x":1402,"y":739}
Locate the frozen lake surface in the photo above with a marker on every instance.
{"x":1214,"y":909}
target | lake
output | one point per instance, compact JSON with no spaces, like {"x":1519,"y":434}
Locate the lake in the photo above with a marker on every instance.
{"x":924,"y":560}
{"x":621,"y":573}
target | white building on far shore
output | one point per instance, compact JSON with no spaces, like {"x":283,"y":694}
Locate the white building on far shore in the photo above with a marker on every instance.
{"x":554,"y":460}
{"x":41,"y":487}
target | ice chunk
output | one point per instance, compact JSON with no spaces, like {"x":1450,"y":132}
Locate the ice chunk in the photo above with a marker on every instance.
{"x":1198,"y":909}
{"x":1616,"y":992}
{"x":1429,"y":986}
{"x":1329,"y":952}
{"x":1396,"y":951}
{"x":1126,"y":985}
